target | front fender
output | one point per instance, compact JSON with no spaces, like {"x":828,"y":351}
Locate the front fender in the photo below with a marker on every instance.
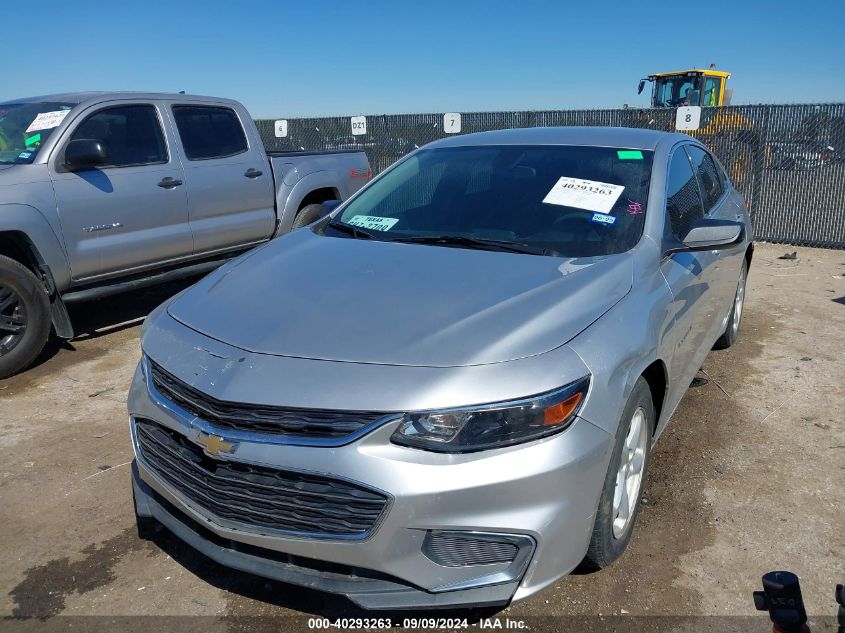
{"x":31,"y":222}
{"x":619,"y":346}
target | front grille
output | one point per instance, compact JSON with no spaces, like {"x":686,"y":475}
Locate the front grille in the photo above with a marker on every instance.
{"x":256,"y":496}
{"x":311,"y":423}
{"x":461,"y":550}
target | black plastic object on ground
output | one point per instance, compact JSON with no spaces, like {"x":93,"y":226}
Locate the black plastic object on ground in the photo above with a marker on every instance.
{"x":781,"y":597}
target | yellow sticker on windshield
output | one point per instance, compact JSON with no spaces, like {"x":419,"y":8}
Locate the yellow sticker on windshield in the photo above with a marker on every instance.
{"x":372,"y":222}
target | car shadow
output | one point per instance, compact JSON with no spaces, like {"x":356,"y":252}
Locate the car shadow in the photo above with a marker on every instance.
{"x":839,"y":300}
{"x":303,"y":600}
{"x":109,"y":315}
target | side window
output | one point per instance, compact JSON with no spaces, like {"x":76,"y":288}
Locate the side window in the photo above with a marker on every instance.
{"x":712,"y":88}
{"x":209,"y":132}
{"x":708,"y":176}
{"x":131,"y":135}
{"x":683,"y":201}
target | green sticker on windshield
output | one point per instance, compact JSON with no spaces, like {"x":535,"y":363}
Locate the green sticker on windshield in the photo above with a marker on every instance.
{"x":629,"y":154}
{"x":32,"y":140}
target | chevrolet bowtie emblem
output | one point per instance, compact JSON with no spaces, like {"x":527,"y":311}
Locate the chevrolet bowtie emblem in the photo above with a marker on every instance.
{"x":214,"y":445}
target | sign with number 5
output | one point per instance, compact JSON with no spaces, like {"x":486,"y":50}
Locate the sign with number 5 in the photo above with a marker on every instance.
{"x":452,"y":122}
{"x":688,"y":118}
{"x":359,"y":125}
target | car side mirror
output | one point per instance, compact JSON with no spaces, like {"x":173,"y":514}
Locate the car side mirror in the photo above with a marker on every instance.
{"x":85,"y":153}
{"x":641,"y":86}
{"x":710,"y":234}
{"x":327,"y":207}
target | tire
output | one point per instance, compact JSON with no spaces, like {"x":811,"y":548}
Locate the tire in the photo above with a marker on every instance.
{"x":731,"y":332}
{"x":615,"y":518}
{"x":24,"y":317}
{"x":307,"y":214}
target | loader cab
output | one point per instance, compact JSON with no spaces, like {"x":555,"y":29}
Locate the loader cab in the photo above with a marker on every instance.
{"x":688,"y":87}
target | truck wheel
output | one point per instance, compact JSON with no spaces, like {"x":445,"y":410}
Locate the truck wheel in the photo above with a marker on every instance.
{"x":306,"y":216}
{"x":623,"y":486}
{"x":24,"y":317}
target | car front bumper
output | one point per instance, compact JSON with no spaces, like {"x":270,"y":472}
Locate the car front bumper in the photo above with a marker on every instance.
{"x":541,"y":495}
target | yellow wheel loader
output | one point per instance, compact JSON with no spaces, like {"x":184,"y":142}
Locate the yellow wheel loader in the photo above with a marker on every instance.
{"x":729,"y":133}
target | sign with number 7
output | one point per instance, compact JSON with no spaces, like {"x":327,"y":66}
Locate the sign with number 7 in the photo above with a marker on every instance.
{"x":452,"y":122}
{"x":688,"y":118}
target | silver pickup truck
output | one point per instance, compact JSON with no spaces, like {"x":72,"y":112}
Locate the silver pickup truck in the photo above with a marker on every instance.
{"x":106,"y":192}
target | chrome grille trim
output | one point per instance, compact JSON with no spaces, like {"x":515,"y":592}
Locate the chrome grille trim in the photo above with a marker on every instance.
{"x":257,"y":497}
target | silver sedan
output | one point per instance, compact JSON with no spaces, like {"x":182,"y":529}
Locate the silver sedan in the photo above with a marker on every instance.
{"x":445,"y":391}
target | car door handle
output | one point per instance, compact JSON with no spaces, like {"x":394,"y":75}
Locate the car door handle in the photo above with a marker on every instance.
{"x":253,"y":173}
{"x":169,"y":183}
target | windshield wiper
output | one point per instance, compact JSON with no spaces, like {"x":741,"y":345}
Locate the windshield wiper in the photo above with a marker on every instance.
{"x":475,"y":242}
{"x":351,"y":230}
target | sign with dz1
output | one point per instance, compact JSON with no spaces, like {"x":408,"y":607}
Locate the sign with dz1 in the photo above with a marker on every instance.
{"x":359,"y":125}
{"x":688,"y":118}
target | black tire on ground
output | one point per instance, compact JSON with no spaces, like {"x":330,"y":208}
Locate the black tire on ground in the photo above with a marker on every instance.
{"x":608,"y":543}
{"x":306,"y":216}
{"x":731,"y":332}
{"x":24,"y":317}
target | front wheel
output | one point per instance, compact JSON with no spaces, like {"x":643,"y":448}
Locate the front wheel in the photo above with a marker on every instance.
{"x":731,"y":332}
{"x":24,"y":317}
{"x":623,"y":486}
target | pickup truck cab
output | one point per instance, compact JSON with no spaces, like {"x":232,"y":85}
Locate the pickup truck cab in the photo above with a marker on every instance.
{"x":106,"y":192}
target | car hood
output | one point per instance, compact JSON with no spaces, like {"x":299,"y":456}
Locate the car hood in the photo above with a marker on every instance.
{"x":338,"y":299}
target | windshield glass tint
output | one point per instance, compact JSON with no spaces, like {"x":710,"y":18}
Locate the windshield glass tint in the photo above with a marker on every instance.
{"x":567,"y":200}
{"x":24,"y":127}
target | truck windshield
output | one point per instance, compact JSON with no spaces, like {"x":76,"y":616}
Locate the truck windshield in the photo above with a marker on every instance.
{"x":24,"y":127}
{"x":572,"y":201}
{"x":677,"y":90}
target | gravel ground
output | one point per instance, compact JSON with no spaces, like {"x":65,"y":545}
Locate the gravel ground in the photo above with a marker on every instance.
{"x":747,"y":478}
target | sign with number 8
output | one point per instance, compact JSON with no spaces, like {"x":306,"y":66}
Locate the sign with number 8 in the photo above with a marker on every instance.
{"x":688,"y":118}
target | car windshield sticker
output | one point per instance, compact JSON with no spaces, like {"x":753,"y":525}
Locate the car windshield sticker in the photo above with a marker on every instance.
{"x":25,"y":155}
{"x":47,"y":120}
{"x":372,"y":222}
{"x":629,"y":154}
{"x":603,"y":219}
{"x":584,"y":194}
{"x":32,"y":140}
{"x":634,"y":208}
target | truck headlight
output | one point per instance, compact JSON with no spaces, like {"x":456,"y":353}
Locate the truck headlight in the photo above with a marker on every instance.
{"x":493,"y":425}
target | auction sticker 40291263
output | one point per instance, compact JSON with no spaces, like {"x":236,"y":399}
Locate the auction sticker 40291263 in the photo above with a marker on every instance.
{"x":584,"y":194}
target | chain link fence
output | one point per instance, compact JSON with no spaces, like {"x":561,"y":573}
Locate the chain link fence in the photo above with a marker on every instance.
{"x":788,"y":160}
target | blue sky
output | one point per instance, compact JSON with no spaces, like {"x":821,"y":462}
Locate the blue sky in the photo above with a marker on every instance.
{"x":289,"y":58}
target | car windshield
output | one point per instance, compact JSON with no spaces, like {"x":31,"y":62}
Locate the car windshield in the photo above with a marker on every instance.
{"x":677,"y":90}
{"x":570,"y":201}
{"x":24,"y":127}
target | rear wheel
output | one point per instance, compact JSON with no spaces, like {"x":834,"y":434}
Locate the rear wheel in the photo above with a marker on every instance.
{"x":620,"y":498}
{"x":24,"y":317}
{"x":308,"y":214}
{"x":731,"y":332}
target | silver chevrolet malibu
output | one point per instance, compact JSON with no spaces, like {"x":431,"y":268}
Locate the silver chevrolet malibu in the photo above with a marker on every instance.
{"x":445,"y":391}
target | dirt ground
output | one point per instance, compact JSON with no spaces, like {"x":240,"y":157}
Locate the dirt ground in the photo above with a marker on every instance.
{"x":747,"y":478}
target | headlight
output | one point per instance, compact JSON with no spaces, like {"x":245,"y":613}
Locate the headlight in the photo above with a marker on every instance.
{"x":493,"y":425}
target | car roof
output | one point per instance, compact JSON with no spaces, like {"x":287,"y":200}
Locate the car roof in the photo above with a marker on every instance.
{"x":77,"y":98}
{"x":634,"y":138}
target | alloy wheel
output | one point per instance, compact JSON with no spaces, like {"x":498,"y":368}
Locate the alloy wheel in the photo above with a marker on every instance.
{"x":13,"y":319}
{"x":629,"y":477}
{"x":738,"y":302}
